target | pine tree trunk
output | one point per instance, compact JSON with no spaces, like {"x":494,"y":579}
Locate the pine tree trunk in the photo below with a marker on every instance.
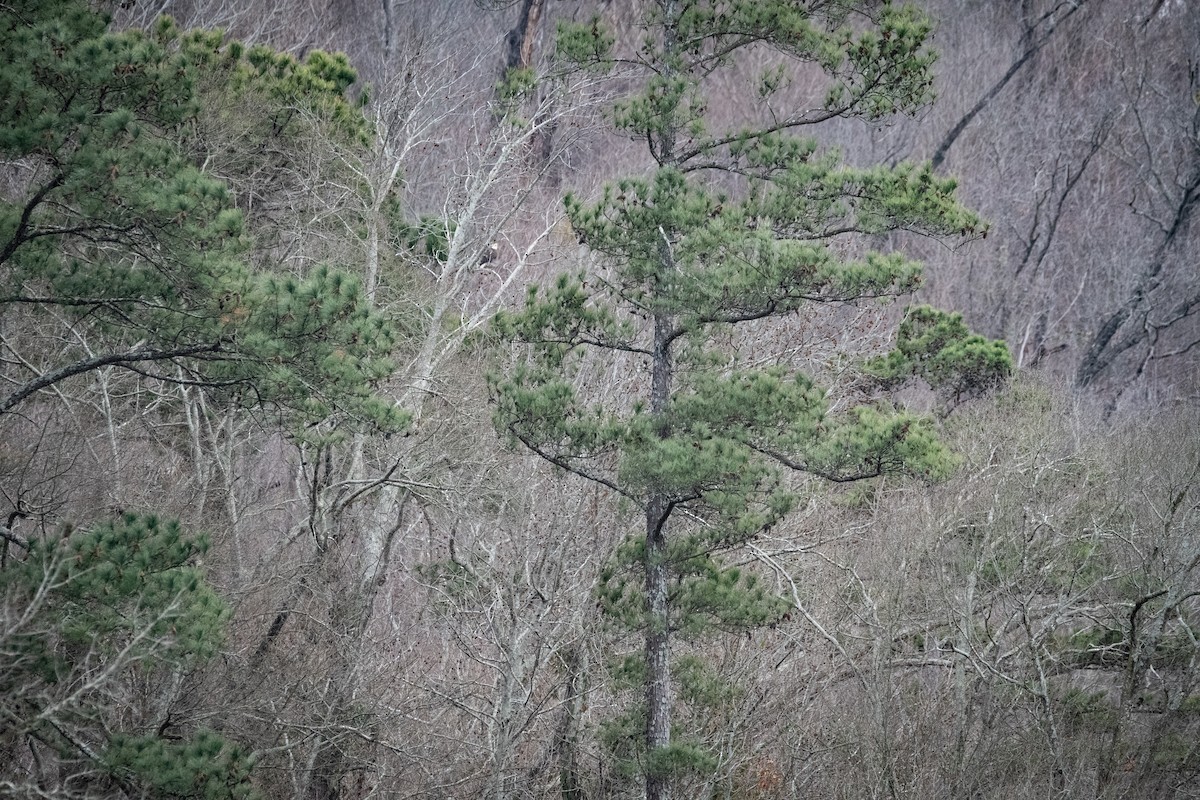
{"x":658,"y":664}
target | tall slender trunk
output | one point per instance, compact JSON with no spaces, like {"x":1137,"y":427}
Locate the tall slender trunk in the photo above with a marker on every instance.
{"x":658,"y":652}
{"x":389,"y":33}
{"x":658,"y":627}
{"x":658,"y":632}
{"x":962,"y":690}
{"x":567,"y":744}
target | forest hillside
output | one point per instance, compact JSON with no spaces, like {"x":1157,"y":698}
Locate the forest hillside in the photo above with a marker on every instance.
{"x":599,"y":398}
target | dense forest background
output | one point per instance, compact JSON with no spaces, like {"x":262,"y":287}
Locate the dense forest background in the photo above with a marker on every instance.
{"x":249,"y":286}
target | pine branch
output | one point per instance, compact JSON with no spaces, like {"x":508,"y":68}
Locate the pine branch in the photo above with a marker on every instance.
{"x":110,"y":359}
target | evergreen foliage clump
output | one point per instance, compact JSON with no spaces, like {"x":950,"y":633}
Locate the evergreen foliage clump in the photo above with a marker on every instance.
{"x":114,"y":231}
{"x":90,"y":609}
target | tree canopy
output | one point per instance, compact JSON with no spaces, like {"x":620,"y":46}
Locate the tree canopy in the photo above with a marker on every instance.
{"x":120,"y":249}
{"x":134,"y":254}
{"x":733,"y":226}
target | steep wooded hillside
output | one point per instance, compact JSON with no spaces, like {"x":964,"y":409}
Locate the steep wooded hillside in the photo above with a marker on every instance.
{"x":277,"y":402}
{"x":1072,"y":127}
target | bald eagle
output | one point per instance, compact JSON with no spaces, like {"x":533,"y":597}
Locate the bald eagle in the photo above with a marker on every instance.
{"x":489,"y":254}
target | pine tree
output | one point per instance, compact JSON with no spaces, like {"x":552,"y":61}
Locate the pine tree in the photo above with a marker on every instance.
{"x":121,"y":247}
{"x":84,"y":617}
{"x":733,"y":226}
{"x":118,"y":243}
